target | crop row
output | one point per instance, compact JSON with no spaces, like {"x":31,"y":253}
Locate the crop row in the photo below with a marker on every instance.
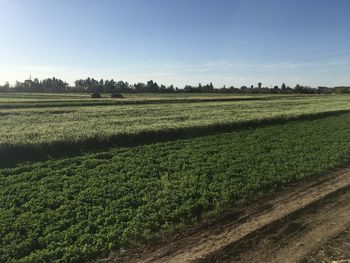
{"x":105,"y":102}
{"x":25,"y":133}
{"x":20,"y":100}
{"x":75,"y":209}
{"x":134,"y":96}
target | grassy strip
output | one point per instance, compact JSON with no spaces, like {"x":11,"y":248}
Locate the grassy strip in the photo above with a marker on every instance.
{"x":67,"y":101}
{"x":75,"y":209}
{"x":133,"y":96}
{"x":103,"y":102}
{"x":18,"y":100}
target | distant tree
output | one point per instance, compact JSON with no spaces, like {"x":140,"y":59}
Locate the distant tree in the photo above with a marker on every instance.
{"x":122,"y":87}
{"x":188,"y":88}
{"x":211,"y":87}
{"x":140,"y":87}
{"x":162,"y":88}
{"x":298,"y":88}
{"x":323,"y":90}
{"x":342,"y":89}
{"x":170,"y":89}
{"x":5,"y":87}
{"x":93,"y":86}
{"x":152,"y":87}
{"x":224,"y":89}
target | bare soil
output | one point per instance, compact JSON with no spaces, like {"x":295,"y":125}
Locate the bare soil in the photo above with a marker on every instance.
{"x":336,"y":249}
{"x":290,"y":226}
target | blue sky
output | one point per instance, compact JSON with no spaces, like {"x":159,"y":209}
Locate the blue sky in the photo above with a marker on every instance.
{"x":231,"y":42}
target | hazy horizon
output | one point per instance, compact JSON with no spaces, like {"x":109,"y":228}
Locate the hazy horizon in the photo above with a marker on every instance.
{"x":230,"y":43}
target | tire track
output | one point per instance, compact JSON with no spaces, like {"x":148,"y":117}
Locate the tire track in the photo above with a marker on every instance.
{"x":209,"y":243}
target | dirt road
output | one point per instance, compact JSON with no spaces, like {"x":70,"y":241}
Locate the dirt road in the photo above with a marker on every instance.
{"x":283,"y":228}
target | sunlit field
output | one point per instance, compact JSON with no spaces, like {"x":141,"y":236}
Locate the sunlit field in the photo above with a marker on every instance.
{"x":26,"y":129}
{"x":79,"y":181}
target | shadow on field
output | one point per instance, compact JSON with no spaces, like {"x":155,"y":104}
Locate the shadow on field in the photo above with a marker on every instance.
{"x":11,"y":155}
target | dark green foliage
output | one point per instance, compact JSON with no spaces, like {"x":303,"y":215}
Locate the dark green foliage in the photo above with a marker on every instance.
{"x":72,"y":210}
{"x":112,"y":86}
{"x":96,"y":95}
{"x":117,"y":95}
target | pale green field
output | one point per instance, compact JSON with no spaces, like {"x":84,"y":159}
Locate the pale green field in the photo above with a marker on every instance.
{"x":44,"y":126}
{"x":37,"y":100}
{"x":33,"y":97}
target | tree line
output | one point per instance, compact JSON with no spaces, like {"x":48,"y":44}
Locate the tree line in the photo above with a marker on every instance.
{"x":92,"y":85}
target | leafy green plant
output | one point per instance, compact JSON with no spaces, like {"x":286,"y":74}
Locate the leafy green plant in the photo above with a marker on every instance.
{"x":76,"y":209}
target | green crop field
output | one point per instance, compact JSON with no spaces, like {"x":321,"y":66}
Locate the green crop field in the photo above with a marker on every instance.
{"x":25,"y":100}
{"x":28,"y":132}
{"x":143,"y":170}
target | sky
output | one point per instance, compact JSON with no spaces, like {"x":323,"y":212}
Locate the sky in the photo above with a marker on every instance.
{"x":226,"y":42}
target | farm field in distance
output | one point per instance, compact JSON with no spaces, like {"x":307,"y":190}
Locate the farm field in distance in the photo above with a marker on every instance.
{"x":35,"y":131}
{"x":23,"y":100}
{"x":148,"y":165}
